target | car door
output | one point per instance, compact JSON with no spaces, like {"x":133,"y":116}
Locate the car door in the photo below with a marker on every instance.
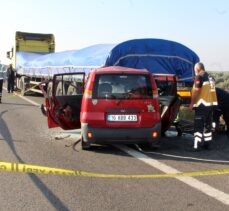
{"x":169,"y":99}
{"x":63,"y":100}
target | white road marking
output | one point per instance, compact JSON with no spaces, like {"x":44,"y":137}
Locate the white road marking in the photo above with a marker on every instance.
{"x":181,"y":157}
{"x":24,"y":98}
{"x":192,"y":182}
{"x":28,"y":100}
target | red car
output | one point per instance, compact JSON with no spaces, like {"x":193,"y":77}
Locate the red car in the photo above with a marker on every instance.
{"x":118,"y":105}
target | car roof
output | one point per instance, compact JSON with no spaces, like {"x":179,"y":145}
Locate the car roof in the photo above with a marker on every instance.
{"x":118,"y":69}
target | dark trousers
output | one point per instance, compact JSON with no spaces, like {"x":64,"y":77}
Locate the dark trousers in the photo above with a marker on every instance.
{"x":1,"y":83}
{"x":203,"y":125}
{"x":10,"y":85}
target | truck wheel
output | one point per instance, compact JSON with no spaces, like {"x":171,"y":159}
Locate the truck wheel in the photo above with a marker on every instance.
{"x":153,"y":145}
{"x":85,"y":145}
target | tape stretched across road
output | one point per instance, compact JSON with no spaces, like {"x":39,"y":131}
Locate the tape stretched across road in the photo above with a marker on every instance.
{"x":23,"y":92}
{"x":35,"y":169}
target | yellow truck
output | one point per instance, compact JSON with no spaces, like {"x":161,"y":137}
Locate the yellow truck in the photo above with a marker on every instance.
{"x":29,"y":46}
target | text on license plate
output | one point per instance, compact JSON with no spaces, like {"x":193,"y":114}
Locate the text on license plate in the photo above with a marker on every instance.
{"x":122,"y":118}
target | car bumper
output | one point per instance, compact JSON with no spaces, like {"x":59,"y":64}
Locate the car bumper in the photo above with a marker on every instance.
{"x":120,"y":135}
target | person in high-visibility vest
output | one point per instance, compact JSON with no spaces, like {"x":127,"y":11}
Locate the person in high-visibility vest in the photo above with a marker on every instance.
{"x":203,"y":100}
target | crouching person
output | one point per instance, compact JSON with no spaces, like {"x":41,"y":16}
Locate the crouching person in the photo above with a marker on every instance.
{"x":222,"y":108}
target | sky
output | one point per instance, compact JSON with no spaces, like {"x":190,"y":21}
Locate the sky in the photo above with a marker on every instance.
{"x":201,"y":25}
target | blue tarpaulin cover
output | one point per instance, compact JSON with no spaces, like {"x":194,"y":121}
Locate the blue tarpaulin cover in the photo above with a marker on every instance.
{"x":37,"y":64}
{"x":155,"y":55}
{"x":25,"y":57}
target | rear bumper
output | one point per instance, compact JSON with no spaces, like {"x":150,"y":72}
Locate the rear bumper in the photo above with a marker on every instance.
{"x":120,"y":135}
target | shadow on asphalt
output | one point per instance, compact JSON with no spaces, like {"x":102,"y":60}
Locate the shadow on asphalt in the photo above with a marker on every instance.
{"x":18,"y":104}
{"x":181,"y":148}
{"x":177,"y":148}
{"x":50,"y":196}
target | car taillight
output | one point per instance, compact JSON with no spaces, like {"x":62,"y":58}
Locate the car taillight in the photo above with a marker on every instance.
{"x":89,"y":134}
{"x":154,"y":134}
{"x":88,"y":94}
{"x":155,"y":93}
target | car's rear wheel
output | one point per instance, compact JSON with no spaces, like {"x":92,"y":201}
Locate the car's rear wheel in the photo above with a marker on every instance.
{"x":85,"y":145}
{"x":154,"y":145}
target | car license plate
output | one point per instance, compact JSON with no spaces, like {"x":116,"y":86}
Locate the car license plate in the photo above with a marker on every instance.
{"x":122,"y":118}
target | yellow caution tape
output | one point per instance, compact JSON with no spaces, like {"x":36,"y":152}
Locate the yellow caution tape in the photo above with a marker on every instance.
{"x":35,"y":169}
{"x":27,"y":90}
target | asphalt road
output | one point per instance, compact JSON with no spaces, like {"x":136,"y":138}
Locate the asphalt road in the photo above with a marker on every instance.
{"x":25,"y":138}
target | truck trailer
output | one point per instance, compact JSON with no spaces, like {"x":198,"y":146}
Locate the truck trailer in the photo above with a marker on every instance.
{"x":35,"y":61}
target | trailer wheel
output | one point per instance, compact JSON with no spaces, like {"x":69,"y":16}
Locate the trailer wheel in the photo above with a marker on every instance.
{"x":71,"y":90}
{"x":22,"y":85}
{"x":49,"y":89}
{"x":85,"y":145}
{"x":60,"y":90}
